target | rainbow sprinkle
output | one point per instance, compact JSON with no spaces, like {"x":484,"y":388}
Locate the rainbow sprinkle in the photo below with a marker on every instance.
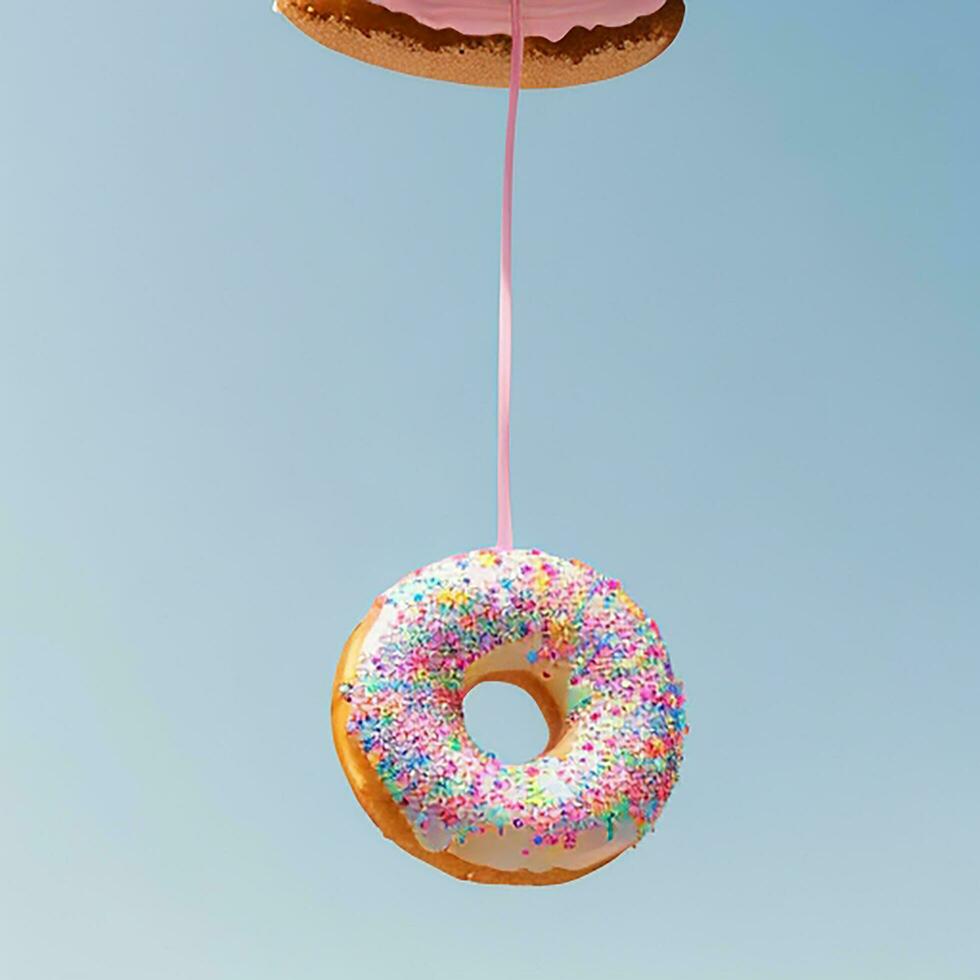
{"x":625,"y":717}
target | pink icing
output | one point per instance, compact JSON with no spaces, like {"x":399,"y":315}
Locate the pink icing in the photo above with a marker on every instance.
{"x":551,"y":19}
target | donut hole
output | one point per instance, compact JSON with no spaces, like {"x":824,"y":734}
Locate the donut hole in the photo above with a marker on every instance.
{"x":504,"y":719}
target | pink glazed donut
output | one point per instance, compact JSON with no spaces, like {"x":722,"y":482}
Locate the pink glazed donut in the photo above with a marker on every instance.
{"x":580,"y":646}
{"x":568,"y":42}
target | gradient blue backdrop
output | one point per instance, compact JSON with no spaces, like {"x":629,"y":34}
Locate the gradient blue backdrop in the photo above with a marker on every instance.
{"x":247,"y":309}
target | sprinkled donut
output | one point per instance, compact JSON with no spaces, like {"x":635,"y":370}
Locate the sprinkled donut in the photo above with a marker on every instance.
{"x":587,"y":654}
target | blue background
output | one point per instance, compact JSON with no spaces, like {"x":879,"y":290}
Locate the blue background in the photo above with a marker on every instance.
{"x":248,"y":315}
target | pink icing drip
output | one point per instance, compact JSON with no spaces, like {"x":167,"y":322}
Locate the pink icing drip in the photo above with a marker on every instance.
{"x":505,"y":531}
{"x":551,"y":19}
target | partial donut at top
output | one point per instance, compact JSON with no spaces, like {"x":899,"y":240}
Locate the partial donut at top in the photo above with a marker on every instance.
{"x":369,"y":32}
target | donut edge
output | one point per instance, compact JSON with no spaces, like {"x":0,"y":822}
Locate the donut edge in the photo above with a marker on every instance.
{"x":370,"y":33}
{"x":382,"y":809}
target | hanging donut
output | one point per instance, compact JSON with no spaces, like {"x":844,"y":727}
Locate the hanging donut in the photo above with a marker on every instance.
{"x":571,"y":638}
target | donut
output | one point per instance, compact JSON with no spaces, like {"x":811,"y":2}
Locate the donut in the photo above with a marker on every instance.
{"x":575,"y":641}
{"x":569,"y":42}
